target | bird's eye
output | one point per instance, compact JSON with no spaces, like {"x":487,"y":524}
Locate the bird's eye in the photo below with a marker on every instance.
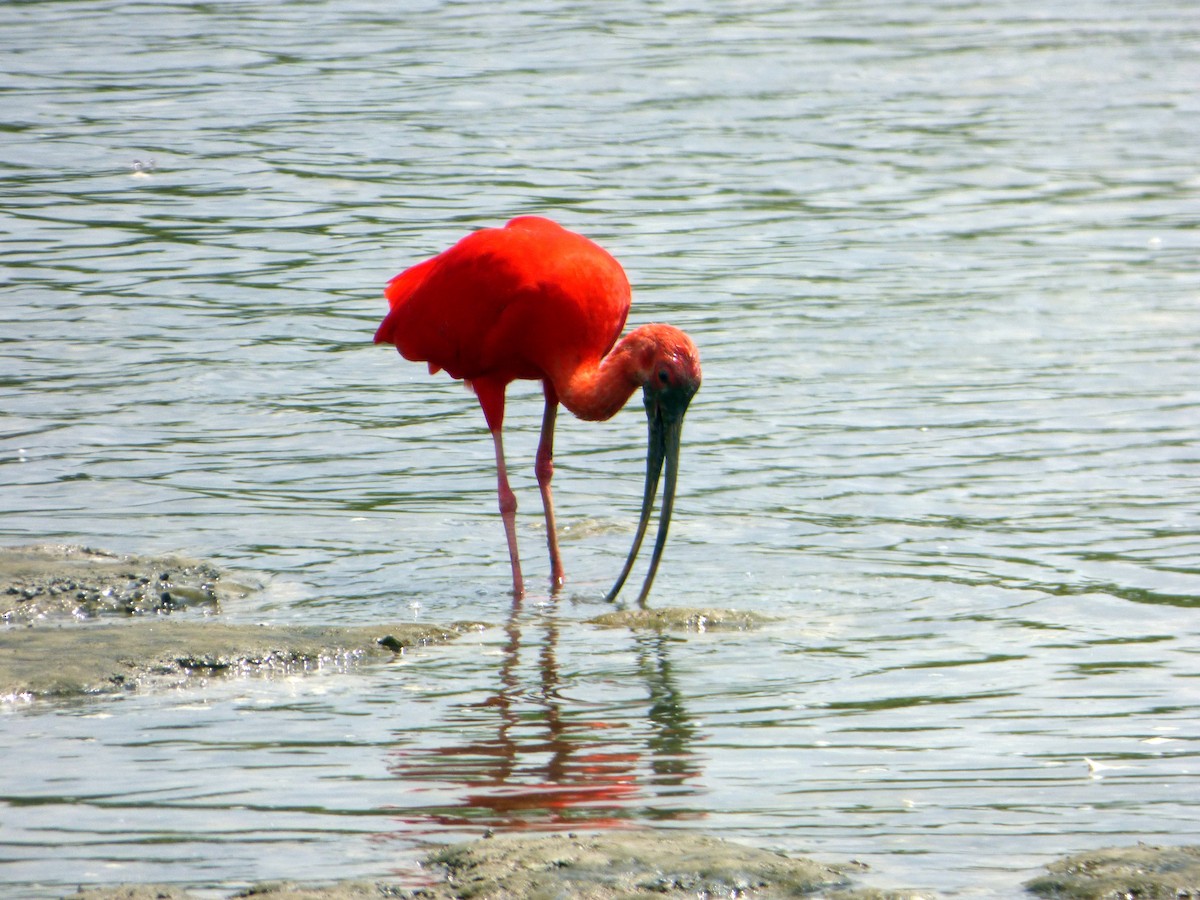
{"x":664,"y":377}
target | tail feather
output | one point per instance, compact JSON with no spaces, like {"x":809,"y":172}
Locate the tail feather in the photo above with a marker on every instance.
{"x":398,"y":290}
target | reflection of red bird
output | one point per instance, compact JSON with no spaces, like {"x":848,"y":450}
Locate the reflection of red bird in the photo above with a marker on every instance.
{"x":533,"y":300}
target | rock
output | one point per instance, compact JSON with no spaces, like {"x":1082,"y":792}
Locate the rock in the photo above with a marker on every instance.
{"x":1142,"y":872}
{"x":628,"y":865}
{"x":51,"y":582}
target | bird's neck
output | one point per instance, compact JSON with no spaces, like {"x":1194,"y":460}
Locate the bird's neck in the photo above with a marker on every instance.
{"x":596,"y":392}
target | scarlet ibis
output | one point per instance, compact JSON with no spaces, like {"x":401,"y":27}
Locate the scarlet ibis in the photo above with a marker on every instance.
{"x":534,"y":300}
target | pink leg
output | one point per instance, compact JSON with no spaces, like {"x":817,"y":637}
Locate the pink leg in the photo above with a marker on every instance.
{"x":545,"y":471}
{"x":508,"y":512}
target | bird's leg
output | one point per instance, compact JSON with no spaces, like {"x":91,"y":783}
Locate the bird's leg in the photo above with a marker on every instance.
{"x":508,"y":512}
{"x":545,"y":471}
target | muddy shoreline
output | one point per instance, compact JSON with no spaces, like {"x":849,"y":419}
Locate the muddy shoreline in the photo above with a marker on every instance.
{"x":84,"y":622}
{"x":641,"y":865}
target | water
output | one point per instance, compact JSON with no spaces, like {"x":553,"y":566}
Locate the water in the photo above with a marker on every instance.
{"x":940,"y":260}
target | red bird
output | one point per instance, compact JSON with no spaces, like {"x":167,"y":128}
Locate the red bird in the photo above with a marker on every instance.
{"x":533,"y":300}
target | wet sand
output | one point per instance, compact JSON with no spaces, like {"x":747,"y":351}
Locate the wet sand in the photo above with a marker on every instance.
{"x":84,"y":622}
{"x":98,"y":659}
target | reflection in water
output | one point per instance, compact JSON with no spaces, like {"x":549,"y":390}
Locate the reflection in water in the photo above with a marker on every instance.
{"x":670,"y":757}
{"x":531,"y":758}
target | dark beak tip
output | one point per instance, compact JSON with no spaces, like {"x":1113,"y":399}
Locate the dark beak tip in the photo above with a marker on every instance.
{"x":664,"y":412}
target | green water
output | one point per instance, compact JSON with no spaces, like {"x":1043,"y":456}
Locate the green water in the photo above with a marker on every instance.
{"x":941,"y":263}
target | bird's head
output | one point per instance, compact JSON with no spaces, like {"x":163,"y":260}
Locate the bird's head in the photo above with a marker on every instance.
{"x":669,"y":371}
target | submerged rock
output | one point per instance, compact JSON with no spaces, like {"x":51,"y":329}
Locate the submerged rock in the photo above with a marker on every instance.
{"x":134,"y":892}
{"x":1143,"y":872}
{"x":681,"y":618}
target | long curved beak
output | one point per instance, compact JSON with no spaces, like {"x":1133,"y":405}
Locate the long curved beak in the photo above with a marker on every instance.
{"x":664,"y":413}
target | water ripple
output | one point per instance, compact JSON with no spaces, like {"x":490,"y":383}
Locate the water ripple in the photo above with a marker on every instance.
{"x":941,"y":265}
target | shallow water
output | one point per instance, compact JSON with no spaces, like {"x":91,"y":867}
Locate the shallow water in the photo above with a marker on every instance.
{"x":941,"y":263}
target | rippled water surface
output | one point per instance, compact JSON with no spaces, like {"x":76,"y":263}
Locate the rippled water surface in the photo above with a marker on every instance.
{"x":941,"y":262}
